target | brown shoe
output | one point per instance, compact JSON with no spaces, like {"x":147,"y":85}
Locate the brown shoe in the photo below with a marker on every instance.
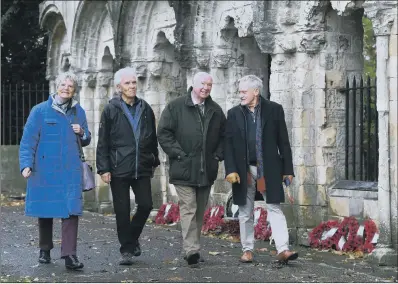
{"x":247,"y":257}
{"x":287,"y":255}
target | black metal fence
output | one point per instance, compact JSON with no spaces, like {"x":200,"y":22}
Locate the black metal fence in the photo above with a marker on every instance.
{"x":361,"y":140}
{"x":16,"y":103}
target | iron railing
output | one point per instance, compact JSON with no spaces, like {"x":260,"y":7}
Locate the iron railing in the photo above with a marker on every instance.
{"x":16,"y":103}
{"x":361,"y":140}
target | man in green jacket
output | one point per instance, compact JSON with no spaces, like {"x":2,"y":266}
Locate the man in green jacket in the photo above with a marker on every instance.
{"x":191,"y":132}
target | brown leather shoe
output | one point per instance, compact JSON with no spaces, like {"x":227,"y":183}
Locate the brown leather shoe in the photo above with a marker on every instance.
{"x":287,"y":255}
{"x":247,"y":257}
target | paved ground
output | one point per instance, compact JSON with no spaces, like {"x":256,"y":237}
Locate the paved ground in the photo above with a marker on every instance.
{"x":161,"y":260}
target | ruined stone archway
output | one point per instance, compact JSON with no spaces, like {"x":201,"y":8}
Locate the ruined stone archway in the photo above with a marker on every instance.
{"x":58,"y":49}
{"x":92,"y":24}
{"x":147,"y":29}
{"x":224,"y":46}
{"x":92,"y":59}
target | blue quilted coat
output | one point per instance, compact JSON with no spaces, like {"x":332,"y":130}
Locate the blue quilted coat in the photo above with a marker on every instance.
{"x":49,"y":147}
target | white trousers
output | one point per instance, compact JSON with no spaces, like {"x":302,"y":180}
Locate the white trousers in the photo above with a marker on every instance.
{"x":275,"y":217}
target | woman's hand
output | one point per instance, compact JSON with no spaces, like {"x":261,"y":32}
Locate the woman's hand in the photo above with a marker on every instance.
{"x":26,"y":172}
{"x":77,"y":129}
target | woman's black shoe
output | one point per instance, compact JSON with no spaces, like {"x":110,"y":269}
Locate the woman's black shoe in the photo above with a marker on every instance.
{"x":71,"y":262}
{"x":44,"y":256}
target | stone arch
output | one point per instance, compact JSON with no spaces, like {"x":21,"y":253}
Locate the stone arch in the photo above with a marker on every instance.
{"x":52,"y":20}
{"x":141,"y":22}
{"x":92,"y":31}
{"x":224,"y":45}
{"x":147,"y":30}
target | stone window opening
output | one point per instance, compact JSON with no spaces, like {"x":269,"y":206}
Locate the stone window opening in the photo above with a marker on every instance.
{"x":355,"y":99}
{"x":361,"y":161}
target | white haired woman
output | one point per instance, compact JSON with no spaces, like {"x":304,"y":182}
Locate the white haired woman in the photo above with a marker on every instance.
{"x":50,"y":161}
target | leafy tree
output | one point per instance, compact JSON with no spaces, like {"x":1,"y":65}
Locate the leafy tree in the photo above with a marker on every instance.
{"x":23,"y":43}
{"x":369,"y":48}
{"x":371,"y":138}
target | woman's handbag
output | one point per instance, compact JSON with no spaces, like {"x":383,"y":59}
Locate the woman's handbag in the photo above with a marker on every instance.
{"x":88,"y":175}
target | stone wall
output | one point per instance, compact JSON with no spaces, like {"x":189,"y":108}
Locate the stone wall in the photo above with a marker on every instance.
{"x":12,"y":182}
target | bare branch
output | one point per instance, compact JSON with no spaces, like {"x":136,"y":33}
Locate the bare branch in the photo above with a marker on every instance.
{"x":11,"y":10}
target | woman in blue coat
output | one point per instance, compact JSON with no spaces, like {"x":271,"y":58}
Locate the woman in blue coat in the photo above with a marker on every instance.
{"x":49,"y":160}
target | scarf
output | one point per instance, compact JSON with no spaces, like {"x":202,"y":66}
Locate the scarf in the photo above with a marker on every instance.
{"x":133,"y":120}
{"x":62,"y":105}
{"x":259,"y":154}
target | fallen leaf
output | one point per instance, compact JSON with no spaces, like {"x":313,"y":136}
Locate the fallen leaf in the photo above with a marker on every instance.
{"x":358,"y":254}
{"x":173,"y":268}
{"x":273,"y":252}
{"x":338,"y":252}
{"x":214,"y":253}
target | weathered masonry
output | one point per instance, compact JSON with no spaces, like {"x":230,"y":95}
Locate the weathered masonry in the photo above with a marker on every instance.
{"x":303,"y":50}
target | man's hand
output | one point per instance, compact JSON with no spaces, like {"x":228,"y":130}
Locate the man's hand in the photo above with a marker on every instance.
{"x":290,"y":177}
{"x":289,"y":196}
{"x":106,"y":177}
{"x":233,"y":178}
{"x":77,"y":129}
{"x":26,"y":172}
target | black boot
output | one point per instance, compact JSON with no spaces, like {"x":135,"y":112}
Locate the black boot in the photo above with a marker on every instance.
{"x":44,"y":256}
{"x":72,"y":262}
{"x":192,"y":257}
{"x":137,"y":249}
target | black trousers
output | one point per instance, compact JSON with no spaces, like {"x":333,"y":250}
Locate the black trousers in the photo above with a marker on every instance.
{"x":128,"y":231}
{"x":69,"y":235}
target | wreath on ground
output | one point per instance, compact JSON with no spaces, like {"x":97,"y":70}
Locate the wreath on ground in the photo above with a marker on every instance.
{"x":213,"y":221}
{"x":262,"y":230}
{"x":168,"y":213}
{"x":346,"y":235}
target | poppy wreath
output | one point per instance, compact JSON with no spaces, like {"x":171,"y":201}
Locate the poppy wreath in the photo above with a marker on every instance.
{"x":173,"y":215}
{"x":369,"y":232}
{"x":315,"y":235}
{"x":262,"y":231}
{"x":348,"y":229}
{"x":213,"y":223}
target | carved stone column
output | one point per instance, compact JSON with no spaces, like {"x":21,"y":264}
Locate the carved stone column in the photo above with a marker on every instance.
{"x":86,"y":94}
{"x":103,"y":92}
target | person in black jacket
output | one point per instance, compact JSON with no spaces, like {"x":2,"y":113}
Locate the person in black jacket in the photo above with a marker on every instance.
{"x":191,"y":132}
{"x":258,"y":157}
{"x":127,"y":154}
